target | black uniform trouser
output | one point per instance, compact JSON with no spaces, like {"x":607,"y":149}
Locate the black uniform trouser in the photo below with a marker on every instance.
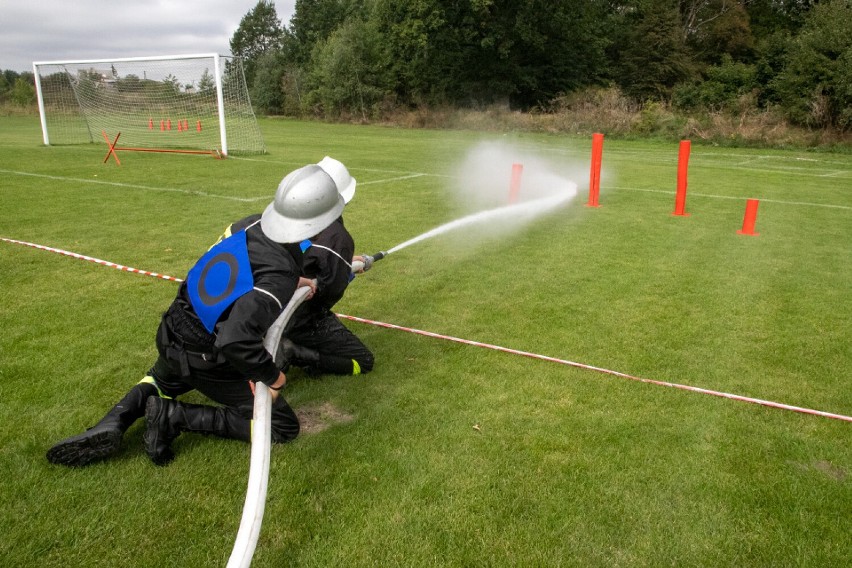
{"x":326,"y":334}
{"x":221,"y":383}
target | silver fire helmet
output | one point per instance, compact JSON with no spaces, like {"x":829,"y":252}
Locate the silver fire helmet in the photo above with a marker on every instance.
{"x":342,"y":179}
{"x":306,"y":202}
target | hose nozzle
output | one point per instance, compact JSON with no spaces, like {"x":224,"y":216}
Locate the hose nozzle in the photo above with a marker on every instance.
{"x":368,"y":261}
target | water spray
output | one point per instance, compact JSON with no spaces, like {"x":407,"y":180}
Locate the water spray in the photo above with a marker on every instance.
{"x":514,"y":212}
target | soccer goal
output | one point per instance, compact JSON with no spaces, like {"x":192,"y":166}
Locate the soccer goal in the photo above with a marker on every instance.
{"x":178,"y":101}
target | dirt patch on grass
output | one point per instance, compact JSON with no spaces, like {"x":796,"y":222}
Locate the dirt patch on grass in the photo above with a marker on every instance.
{"x":826,"y":468}
{"x":318,"y":417}
{"x":830,"y":470}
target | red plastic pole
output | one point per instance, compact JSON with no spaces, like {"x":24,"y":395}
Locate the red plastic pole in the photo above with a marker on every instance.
{"x":595,"y":172}
{"x":682,"y":167}
{"x":515,"y":185}
{"x":750,"y":218}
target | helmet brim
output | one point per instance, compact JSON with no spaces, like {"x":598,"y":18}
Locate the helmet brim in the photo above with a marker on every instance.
{"x":283,"y":229}
{"x":348,"y":192}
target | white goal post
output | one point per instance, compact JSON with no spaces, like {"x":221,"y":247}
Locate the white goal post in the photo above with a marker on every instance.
{"x":197,"y":101}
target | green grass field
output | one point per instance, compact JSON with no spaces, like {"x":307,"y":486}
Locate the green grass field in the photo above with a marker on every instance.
{"x":448,"y":454}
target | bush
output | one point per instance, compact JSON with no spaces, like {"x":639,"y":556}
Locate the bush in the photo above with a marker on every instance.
{"x":724,"y":88}
{"x":815,"y":87}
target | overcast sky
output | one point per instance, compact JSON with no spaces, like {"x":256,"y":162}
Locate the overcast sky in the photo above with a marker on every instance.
{"x":52,"y":30}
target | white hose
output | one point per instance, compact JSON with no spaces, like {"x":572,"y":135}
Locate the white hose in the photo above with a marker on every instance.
{"x":261,"y":441}
{"x":261,"y":438}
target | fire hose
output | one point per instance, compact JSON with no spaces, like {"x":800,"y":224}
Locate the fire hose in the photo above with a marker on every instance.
{"x":261,"y":443}
{"x":261,"y":433}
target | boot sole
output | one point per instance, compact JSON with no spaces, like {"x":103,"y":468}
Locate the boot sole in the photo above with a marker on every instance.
{"x":84,"y":449}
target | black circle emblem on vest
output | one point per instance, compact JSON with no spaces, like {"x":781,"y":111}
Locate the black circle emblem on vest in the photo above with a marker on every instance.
{"x":233,"y":266}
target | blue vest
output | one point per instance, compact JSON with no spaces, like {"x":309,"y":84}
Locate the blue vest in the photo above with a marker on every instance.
{"x":219,"y":278}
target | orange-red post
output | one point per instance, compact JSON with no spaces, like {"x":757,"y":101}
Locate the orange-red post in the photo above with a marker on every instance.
{"x":150,"y":124}
{"x":515,"y":185}
{"x":595,"y":171}
{"x":750,"y":218}
{"x":198,"y":126}
{"x":682,"y":167}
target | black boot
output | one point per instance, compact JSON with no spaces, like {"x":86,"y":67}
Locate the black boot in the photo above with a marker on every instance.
{"x":167,"y":419}
{"x":103,"y":439}
{"x":299,"y":356}
{"x":313,"y":362}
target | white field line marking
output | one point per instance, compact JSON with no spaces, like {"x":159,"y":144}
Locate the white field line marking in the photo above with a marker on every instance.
{"x":388,"y":180}
{"x":697,"y":163}
{"x":733,"y":197}
{"x":134,"y":186}
{"x":697,"y":153}
{"x":780,"y":170}
{"x":351,"y":169}
{"x":767,"y":403}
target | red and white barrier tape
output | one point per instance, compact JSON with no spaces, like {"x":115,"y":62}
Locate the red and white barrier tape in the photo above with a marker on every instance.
{"x":729,"y":396}
{"x":601,"y":370}
{"x":92,"y":259}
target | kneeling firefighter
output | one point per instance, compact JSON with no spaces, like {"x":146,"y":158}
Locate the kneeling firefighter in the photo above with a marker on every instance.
{"x":211,"y":337}
{"x":315,"y":339}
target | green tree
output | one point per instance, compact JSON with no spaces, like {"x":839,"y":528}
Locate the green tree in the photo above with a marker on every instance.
{"x":714,"y":28}
{"x":207,"y":83}
{"x":485,"y":51}
{"x":815,"y":86}
{"x":267,"y":95}
{"x":5,"y":87}
{"x":171,"y":83}
{"x":347,"y":76}
{"x":128,"y":84}
{"x":410,"y":31}
{"x":10,"y":76}
{"x":23,"y":92}
{"x":650,"y":52}
{"x":558,"y":47}
{"x":770,"y":17}
{"x":259,"y":32}
{"x":314,"y":21}
{"x":722,"y":88}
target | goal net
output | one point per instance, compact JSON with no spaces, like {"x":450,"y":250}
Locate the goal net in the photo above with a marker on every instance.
{"x":181,"y":102}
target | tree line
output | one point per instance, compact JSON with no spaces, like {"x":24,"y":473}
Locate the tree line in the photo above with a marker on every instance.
{"x":17,"y":88}
{"x":365,"y":58}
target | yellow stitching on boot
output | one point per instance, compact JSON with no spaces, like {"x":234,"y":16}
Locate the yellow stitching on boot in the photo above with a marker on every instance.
{"x":150,"y":381}
{"x":356,"y":368}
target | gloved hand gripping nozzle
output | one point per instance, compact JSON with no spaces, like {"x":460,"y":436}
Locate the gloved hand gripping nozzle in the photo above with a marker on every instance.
{"x":358,"y":266}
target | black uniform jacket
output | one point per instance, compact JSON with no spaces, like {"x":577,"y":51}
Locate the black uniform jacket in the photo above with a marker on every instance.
{"x":331,"y":271}
{"x":238,"y":335}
